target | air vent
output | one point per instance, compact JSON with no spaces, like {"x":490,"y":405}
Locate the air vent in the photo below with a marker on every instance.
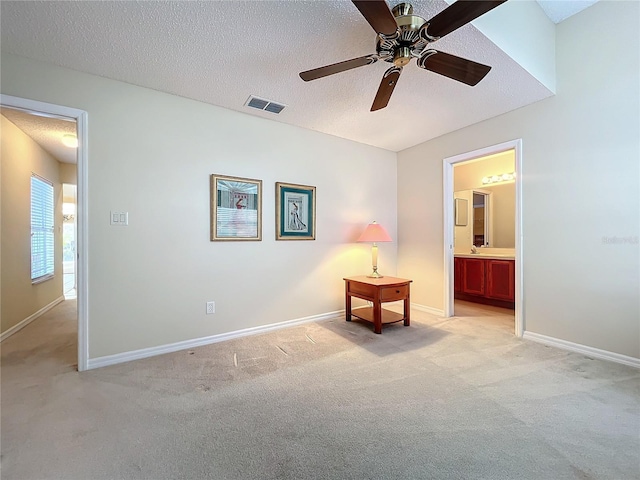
{"x":262,"y":104}
{"x":274,"y":107}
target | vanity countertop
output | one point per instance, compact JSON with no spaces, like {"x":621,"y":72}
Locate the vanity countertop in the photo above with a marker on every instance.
{"x":498,"y":256}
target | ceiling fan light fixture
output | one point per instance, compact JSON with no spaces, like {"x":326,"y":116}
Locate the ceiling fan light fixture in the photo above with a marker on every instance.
{"x":70,"y":141}
{"x":402,"y":56}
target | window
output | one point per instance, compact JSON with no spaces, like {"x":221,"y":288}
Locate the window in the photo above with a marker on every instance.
{"x":42,"y":229}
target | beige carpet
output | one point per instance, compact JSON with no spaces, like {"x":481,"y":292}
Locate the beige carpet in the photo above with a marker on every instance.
{"x":458,"y":398}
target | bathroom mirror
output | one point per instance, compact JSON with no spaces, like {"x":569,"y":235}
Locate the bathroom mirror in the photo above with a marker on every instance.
{"x":485,"y":217}
{"x":461,"y":212}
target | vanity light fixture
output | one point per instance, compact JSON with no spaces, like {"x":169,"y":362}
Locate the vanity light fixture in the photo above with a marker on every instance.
{"x":70,"y":141}
{"x":505,"y":177}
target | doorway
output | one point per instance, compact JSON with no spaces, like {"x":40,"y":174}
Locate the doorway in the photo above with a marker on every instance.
{"x":69,"y":251}
{"x":80,"y":233}
{"x":454,"y":241}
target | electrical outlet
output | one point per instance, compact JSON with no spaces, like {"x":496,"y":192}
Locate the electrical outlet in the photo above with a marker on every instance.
{"x":211,"y":307}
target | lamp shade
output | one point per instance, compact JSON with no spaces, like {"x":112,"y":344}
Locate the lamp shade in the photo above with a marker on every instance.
{"x":374,"y":233}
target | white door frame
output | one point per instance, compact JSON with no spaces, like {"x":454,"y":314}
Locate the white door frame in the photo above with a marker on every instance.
{"x":80,"y":116}
{"x":447,"y":170}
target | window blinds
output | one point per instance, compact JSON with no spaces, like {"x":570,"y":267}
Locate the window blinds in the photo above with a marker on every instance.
{"x":42,"y":229}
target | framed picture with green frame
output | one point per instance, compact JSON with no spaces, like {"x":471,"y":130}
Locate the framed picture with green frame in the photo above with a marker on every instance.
{"x":295,"y":212}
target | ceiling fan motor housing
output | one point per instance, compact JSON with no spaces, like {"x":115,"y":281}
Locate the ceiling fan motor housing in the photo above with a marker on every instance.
{"x":406,"y":43}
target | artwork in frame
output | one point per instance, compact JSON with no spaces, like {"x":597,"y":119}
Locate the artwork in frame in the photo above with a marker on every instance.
{"x":295,"y":212}
{"x":236,"y":208}
{"x":461,"y":211}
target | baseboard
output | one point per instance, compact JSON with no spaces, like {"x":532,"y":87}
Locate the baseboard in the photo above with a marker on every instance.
{"x":583,"y":349}
{"x":199,"y":342}
{"x":431,"y":310}
{"x":19,"y":326}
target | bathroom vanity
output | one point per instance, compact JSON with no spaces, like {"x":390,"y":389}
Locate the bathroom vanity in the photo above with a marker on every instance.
{"x":485,"y":278}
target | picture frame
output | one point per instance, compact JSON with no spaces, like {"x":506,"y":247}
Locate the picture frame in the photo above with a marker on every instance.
{"x":236,"y":208}
{"x":461,"y":212}
{"x":295,"y":212}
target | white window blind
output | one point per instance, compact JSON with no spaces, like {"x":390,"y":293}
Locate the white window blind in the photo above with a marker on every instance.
{"x":42,"y":229}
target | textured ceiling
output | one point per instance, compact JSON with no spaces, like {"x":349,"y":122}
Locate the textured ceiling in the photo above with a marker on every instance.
{"x":46,"y":131}
{"x":220,"y":52}
{"x":559,"y":10}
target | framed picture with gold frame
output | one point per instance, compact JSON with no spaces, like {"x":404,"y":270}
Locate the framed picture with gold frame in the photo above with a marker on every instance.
{"x":295,"y":212}
{"x":236,"y":208}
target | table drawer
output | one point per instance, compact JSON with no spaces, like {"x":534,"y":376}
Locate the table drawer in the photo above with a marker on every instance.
{"x":362,"y":289}
{"x":390,"y":294}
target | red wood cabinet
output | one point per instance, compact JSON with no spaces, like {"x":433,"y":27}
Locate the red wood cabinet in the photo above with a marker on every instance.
{"x":501,"y":279}
{"x":485,"y":280}
{"x":473,"y":276}
{"x":457,"y":274}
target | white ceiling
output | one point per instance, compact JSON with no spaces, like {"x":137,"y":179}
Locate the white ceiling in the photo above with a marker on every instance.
{"x":559,"y":10}
{"x":220,"y":52}
{"x":46,"y":131}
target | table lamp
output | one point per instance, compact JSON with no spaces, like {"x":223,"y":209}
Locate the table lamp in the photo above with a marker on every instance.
{"x":374,"y":233}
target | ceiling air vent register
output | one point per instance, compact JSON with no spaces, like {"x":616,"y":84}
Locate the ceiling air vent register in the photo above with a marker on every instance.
{"x":262,"y":104}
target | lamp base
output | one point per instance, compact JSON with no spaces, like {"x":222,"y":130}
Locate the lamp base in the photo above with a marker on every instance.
{"x":375,"y":274}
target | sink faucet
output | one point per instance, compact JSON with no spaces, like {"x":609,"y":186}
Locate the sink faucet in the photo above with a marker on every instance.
{"x":474,"y":249}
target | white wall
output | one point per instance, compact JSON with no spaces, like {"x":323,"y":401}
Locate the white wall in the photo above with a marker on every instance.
{"x":151,"y":154}
{"x":523,"y":31}
{"x":580,"y":190}
{"x":68,"y":173}
{"x":21,"y":157}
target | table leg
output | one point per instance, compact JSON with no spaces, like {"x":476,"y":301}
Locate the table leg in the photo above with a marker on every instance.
{"x":377,"y":316}
{"x":347,"y":303}
{"x":407,"y":311}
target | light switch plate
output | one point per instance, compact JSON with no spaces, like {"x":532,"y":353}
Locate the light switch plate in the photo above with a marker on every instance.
{"x":119,"y":218}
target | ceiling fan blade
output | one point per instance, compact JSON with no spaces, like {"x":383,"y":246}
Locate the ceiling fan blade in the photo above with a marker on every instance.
{"x":457,"y":68}
{"x":338,"y":67}
{"x":458,"y":14}
{"x":377,"y":13}
{"x":388,"y":83}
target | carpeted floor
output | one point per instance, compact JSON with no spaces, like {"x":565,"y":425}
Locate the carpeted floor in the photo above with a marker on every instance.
{"x":458,"y":398}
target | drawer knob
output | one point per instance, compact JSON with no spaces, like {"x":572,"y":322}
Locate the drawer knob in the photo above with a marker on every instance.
{"x":397,"y":291}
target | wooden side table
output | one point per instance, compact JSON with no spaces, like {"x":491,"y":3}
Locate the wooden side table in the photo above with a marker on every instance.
{"x":378,"y":291}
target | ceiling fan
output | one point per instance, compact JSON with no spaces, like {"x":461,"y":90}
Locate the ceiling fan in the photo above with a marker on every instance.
{"x":403,"y":36}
